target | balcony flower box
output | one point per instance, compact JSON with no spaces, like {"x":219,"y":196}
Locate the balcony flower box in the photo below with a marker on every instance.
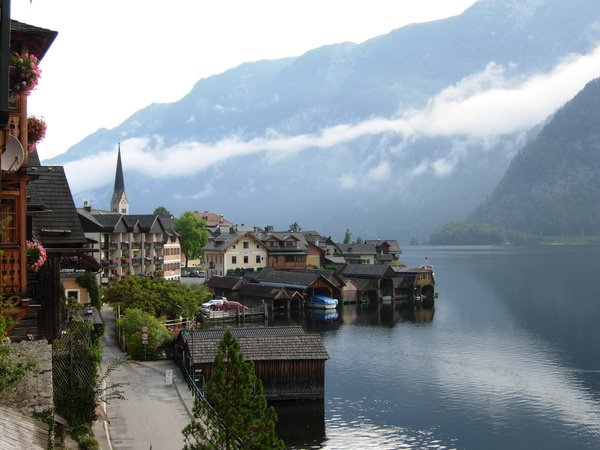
{"x":36,"y":131}
{"x":24,"y":73}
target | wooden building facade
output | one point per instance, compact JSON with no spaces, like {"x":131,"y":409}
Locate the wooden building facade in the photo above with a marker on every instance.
{"x":289,"y":362}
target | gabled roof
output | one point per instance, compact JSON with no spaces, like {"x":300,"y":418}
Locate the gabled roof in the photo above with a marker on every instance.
{"x":362,"y":284}
{"x":95,"y":220}
{"x":148,"y":223}
{"x":55,"y":222}
{"x":391,"y":243}
{"x":213,"y":219}
{"x":329,"y":274}
{"x":38,"y":39}
{"x":224,"y":240}
{"x":368,"y":271}
{"x":225,"y":282}
{"x":292,"y":280}
{"x":20,"y":431}
{"x":262,"y":291}
{"x":358,"y":249}
{"x":281,"y":237}
{"x":257,"y":344}
{"x":168,"y":225}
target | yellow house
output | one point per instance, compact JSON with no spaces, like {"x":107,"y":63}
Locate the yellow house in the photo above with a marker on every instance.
{"x":231,"y":250}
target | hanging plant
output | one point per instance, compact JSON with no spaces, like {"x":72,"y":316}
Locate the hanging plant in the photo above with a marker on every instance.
{"x":36,"y":131}
{"x":36,"y":255}
{"x":25,"y":73}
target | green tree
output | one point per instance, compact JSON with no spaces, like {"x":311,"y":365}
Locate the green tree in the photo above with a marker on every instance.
{"x":162,"y":211}
{"x":157,"y":296}
{"x":130,"y":325}
{"x":192,"y":235}
{"x":240,"y":416}
{"x":359,"y":240}
{"x":295,"y":228}
{"x":347,"y":236}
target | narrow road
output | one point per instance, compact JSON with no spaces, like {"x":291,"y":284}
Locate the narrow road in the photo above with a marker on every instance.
{"x":154,"y":412}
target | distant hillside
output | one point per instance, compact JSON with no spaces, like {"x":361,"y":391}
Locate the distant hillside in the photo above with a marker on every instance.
{"x":378,"y":183}
{"x":552,"y":187}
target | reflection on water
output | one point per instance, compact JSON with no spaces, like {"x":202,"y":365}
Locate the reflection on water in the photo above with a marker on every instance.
{"x":301,"y":423}
{"x":510,"y":360}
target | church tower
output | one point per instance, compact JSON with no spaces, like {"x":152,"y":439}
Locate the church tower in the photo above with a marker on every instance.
{"x":119,"y":203}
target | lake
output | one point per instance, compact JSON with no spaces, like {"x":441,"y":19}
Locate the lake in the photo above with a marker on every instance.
{"x":507,"y":358}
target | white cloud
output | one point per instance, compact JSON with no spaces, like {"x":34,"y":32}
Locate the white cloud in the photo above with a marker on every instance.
{"x":480,"y":107}
{"x":421,"y":168}
{"x":347,"y":181}
{"x":443,"y":167}
{"x":380,"y":172}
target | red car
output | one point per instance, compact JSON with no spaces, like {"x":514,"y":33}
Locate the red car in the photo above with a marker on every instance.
{"x":229,"y":305}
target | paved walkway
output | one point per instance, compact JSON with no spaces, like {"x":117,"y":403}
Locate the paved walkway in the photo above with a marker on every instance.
{"x":154,"y":412}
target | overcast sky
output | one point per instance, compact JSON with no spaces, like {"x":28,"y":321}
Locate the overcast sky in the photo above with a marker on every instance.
{"x":114,"y":57}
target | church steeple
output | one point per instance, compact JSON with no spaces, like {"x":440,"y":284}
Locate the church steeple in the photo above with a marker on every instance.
{"x":119,"y":203}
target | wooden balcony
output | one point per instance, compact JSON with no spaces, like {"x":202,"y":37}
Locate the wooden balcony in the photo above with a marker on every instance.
{"x":10,"y":269}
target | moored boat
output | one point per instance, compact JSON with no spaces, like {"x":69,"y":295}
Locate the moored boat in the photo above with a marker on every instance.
{"x":321,"y":302}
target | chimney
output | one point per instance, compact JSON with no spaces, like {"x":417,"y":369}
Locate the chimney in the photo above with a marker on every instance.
{"x":220,"y":218}
{"x":269,"y":229}
{"x":87,"y":206}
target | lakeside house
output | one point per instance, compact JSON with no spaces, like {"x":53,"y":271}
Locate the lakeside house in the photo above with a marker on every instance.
{"x":289,"y":361}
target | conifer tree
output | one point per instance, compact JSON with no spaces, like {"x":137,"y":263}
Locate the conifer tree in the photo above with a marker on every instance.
{"x":238,"y":415}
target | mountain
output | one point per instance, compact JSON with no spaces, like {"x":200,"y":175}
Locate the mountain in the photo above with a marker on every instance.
{"x":301,"y":139}
{"x":552,"y":186}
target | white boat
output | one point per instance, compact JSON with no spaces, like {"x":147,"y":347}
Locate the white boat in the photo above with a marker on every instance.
{"x":321,"y":302}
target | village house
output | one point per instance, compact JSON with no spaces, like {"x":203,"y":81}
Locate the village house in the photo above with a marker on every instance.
{"x":230,"y":249}
{"x":130,"y":244}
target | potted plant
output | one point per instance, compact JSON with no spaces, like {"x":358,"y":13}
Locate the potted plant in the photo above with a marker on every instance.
{"x":24,"y":73}
{"x":36,"y":255}
{"x":36,"y":131}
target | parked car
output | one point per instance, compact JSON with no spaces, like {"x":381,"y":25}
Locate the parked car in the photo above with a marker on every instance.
{"x":184,"y":273}
{"x":197,"y":273}
{"x":211,"y":303}
{"x":229,"y":305}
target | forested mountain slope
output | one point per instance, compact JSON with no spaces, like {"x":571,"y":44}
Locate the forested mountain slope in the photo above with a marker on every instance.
{"x":552,"y":186}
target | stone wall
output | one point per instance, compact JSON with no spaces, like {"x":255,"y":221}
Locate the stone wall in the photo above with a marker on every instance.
{"x":32,"y":395}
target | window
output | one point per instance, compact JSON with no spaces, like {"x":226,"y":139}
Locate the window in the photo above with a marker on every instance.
{"x":257,"y":259}
{"x":8,"y":216}
{"x":234,"y":260}
{"x":72,"y":294}
{"x":245,"y":259}
{"x":246,"y":244}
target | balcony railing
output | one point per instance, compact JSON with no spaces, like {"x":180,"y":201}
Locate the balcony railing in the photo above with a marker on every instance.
{"x":158,"y":260}
{"x":125,"y":245}
{"x":136,"y":261}
{"x":112,"y":245}
{"x":136,"y":245}
{"x":147,"y":245}
{"x":158,"y":245}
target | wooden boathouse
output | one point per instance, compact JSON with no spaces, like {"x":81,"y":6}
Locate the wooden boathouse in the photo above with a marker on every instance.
{"x":289,"y":362}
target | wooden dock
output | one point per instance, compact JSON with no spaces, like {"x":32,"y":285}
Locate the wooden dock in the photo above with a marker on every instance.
{"x":234,"y":314}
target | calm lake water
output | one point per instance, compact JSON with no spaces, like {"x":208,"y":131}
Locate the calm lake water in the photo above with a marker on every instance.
{"x":508,"y":358}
